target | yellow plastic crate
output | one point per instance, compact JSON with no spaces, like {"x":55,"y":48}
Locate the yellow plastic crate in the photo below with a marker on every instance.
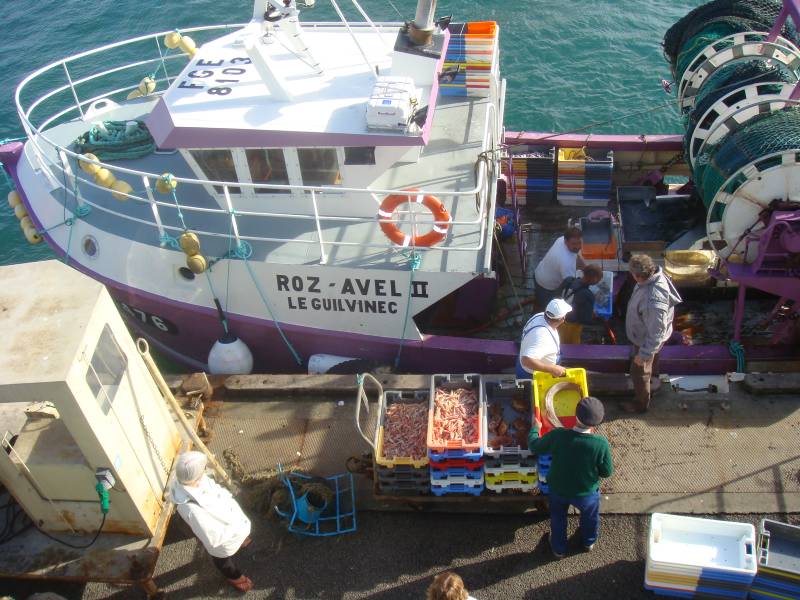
{"x":511,"y":476}
{"x":564,"y":403}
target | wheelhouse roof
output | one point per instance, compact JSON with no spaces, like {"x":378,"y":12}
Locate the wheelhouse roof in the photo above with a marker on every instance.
{"x":220,"y":101}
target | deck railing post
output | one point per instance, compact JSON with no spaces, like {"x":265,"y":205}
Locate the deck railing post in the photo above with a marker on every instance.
{"x":156,"y":215}
{"x":323,"y":256}
{"x":72,"y":87}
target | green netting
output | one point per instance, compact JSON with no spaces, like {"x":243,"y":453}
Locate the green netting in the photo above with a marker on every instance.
{"x":713,"y":31}
{"x":756,"y":15}
{"x":730,"y":77}
{"x":115,"y":140}
{"x":763,"y":135}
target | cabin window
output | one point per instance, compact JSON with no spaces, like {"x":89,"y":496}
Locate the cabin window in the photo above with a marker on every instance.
{"x":364,"y":155}
{"x":106,"y":370}
{"x":319,"y":166}
{"x":217,"y":165}
{"x":267,"y":166}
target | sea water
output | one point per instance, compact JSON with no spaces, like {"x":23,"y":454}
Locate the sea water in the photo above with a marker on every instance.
{"x":588,"y":65}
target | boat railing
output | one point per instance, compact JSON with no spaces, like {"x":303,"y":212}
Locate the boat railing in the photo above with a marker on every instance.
{"x":61,"y":174}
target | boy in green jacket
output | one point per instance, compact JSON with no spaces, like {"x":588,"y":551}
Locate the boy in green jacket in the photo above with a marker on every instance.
{"x":580,"y":459}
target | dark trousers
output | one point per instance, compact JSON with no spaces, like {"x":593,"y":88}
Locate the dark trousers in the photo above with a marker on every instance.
{"x":227,"y":567}
{"x":640,"y":375}
{"x":589,"y":507}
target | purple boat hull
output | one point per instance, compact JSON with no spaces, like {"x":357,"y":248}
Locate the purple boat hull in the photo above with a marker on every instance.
{"x":187,"y":332}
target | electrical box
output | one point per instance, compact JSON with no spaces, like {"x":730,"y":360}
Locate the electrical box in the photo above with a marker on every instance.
{"x":76,"y":396}
{"x":391,"y":103}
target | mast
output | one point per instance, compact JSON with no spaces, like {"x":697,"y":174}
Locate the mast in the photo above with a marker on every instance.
{"x":420,"y":30}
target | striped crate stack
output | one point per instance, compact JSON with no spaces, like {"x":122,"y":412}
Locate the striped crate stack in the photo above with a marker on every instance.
{"x":584,"y":177}
{"x":506,"y":423}
{"x":533,"y":170}
{"x":456,"y":466}
{"x":407,"y":474}
{"x":778,"y":573}
{"x":689,"y":557}
{"x":473,"y":52}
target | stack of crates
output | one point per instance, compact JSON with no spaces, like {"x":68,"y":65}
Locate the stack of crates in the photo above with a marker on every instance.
{"x":473,"y":50}
{"x":689,"y":557}
{"x":508,"y":465}
{"x":401,"y":475}
{"x":564,"y":406}
{"x":457,"y":466}
{"x":533,"y":170}
{"x":778,"y":574}
{"x":584,"y":177}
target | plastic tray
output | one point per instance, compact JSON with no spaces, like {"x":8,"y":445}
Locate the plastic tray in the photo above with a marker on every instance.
{"x":456,"y":448}
{"x":460,"y":477}
{"x":405,"y":488}
{"x":458,"y":489}
{"x":399,"y":473}
{"x":456,"y":463}
{"x":779,"y":549}
{"x":513,"y":472}
{"x":392,"y":397}
{"x":696,"y":545}
{"x":511,"y":485}
{"x":564,"y":402}
{"x":502,"y":390}
{"x":509,"y":462}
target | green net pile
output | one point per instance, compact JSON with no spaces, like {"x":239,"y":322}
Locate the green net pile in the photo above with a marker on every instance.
{"x":762,"y":135}
{"x":717,"y":19}
{"x":729,"y":78}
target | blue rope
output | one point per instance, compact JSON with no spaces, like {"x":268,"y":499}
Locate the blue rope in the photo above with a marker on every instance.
{"x":245,"y":254}
{"x":737,"y":350}
{"x":6,"y":176}
{"x":414,"y":261}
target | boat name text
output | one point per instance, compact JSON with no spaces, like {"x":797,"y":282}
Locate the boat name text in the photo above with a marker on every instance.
{"x":349,"y":287}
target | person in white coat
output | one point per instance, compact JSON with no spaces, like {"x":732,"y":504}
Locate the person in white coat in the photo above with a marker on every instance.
{"x":214,"y":516}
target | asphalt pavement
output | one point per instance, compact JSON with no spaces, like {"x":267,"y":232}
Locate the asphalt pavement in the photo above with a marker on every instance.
{"x":396,"y":555}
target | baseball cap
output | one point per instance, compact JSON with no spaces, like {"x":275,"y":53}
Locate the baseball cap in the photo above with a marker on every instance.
{"x":557,"y":308}
{"x":590,"y":411}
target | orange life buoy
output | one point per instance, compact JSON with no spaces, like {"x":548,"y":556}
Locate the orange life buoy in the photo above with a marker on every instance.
{"x":432,"y":203}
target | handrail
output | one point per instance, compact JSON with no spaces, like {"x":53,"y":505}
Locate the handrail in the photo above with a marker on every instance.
{"x":41,"y":143}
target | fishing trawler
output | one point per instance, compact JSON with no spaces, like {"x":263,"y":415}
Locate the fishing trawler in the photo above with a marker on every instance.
{"x":280,"y":189}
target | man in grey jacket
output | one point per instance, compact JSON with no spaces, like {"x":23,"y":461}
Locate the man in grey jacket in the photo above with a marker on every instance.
{"x":648,"y":324}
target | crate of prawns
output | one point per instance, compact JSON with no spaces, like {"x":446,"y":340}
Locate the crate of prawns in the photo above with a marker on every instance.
{"x":454,"y":418}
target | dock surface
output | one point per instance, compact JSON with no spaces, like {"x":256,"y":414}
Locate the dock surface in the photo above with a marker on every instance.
{"x":731,"y":456}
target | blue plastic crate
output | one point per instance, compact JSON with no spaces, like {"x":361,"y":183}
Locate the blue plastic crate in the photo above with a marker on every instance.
{"x":437,"y":475}
{"x":457,"y":488}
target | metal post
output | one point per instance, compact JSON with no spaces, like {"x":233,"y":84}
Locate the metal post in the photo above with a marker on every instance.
{"x":738,"y":313}
{"x":323,"y":257}
{"x":72,"y":87}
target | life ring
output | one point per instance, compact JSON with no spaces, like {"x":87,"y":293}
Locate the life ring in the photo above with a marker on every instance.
{"x":393,"y":232}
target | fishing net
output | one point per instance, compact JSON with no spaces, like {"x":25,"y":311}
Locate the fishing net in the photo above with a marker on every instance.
{"x":762,"y":135}
{"x":713,"y":19}
{"x":115,"y":140}
{"x":731,"y":77}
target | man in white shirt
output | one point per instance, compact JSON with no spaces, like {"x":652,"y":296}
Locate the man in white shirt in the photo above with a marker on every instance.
{"x":562,"y":260}
{"x":540,"y":346}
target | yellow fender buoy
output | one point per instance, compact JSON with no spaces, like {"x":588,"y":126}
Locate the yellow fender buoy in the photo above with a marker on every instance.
{"x":26,"y":222}
{"x":20,"y":211}
{"x":172,"y":40}
{"x":13,"y":199}
{"x":189,"y":243}
{"x":187,"y":45}
{"x":32,"y":235}
{"x":104,"y":177}
{"x":146,"y":87}
{"x":196,"y":263}
{"x":120,"y":188}
{"x":166,"y":183}
{"x":88,"y":167}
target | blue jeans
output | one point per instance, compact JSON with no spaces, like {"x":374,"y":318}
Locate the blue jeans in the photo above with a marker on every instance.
{"x":589,"y":507}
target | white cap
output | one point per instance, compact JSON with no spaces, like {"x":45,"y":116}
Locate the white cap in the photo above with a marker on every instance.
{"x":557,"y":308}
{"x":190,"y":466}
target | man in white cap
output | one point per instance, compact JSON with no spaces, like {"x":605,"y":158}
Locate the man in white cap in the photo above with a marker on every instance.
{"x":213,"y":514}
{"x":540,"y":346}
